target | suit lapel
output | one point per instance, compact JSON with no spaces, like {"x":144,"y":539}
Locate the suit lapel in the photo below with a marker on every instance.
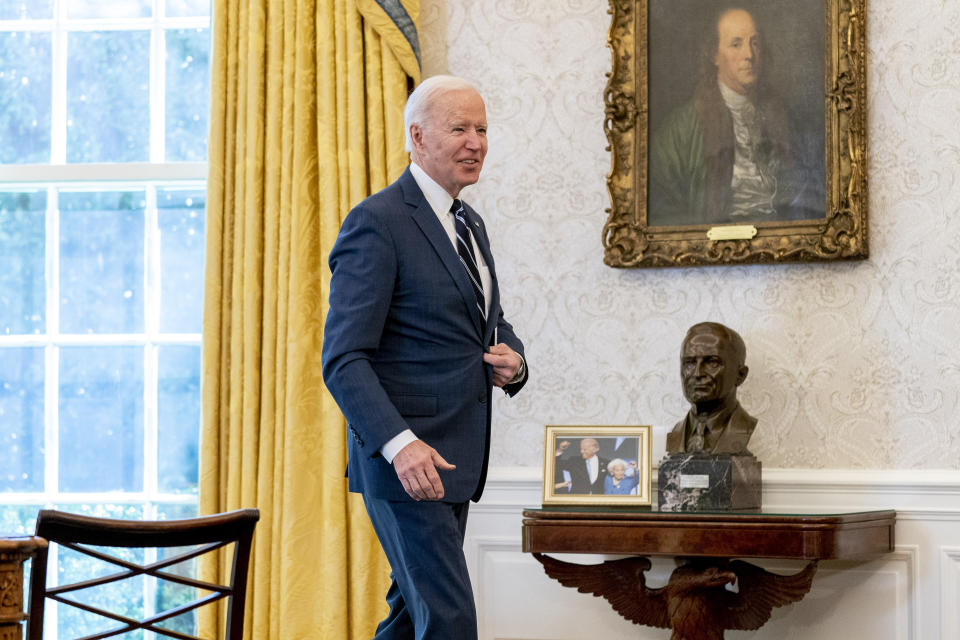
{"x":427,"y":220}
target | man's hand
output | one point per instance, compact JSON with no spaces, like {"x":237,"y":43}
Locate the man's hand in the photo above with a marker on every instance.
{"x":416,"y":466}
{"x":505,"y":362}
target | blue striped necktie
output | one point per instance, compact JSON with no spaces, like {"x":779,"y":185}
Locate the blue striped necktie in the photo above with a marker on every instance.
{"x":467,"y":257}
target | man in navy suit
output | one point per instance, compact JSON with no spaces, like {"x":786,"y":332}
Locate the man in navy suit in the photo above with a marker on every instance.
{"x":588,"y":472}
{"x":412,"y":349}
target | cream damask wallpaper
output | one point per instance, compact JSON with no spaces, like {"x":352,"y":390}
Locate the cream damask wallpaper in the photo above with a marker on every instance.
{"x":851,"y":365}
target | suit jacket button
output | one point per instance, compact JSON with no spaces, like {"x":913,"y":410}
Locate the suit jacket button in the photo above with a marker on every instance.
{"x":482,"y":398}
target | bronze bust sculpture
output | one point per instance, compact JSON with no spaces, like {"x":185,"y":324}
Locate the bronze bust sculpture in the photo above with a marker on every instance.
{"x":712,"y":366}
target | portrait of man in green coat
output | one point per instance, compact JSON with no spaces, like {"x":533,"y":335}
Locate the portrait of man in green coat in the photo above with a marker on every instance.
{"x":734,"y":152}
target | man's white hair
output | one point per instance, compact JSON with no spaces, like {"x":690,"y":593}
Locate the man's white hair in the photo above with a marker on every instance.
{"x":423,"y":97}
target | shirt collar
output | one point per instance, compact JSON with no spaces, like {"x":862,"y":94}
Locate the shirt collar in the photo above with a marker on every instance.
{"x":734,"y":101}
{"x":437,"y":197}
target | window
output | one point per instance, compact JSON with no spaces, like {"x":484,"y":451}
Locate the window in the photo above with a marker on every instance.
{"x":103,"y":123}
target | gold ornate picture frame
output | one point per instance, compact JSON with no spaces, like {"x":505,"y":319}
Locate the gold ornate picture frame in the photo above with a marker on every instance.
{"x":589,"y":465}
{"x":816,"y":50}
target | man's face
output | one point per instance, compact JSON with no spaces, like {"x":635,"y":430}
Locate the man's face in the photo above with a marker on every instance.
{"x":588,"y":448}
{"x":738,"y":51}
{"x":709,"y":368}
{"x":451,"y":145}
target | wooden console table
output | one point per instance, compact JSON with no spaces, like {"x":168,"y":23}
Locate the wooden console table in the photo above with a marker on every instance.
{"x":13,"y":553}
{"x":695,"y":603}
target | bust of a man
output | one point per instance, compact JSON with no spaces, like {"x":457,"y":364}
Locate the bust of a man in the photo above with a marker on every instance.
{"x":712,"y":366}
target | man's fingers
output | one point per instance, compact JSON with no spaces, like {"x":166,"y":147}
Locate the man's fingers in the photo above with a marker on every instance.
{"x":408,"y":487}
{"x":505,"y":363}
{"x":416,"y":466}
{"x":419,"y":487}
{"x":496,"y":359}
{"x":440,"y":463}
{"x":500,"y":348}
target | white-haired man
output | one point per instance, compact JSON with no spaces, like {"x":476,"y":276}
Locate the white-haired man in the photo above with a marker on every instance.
{"x":414,"y":342}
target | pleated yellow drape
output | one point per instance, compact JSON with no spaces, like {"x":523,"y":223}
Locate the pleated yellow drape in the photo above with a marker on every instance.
{"x":307,"y":112}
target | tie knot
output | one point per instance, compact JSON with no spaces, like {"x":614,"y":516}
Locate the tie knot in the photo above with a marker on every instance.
{"x":456,"y":206}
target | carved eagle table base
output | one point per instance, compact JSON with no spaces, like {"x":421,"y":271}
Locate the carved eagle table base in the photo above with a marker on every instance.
{"x":695,"y":603}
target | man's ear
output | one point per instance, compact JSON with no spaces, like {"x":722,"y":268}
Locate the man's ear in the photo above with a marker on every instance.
{"x":742,"y":374}
{"x":416,"y":136}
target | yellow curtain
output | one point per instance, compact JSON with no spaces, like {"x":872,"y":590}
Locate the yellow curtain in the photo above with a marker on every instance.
{"x":307,"y":112}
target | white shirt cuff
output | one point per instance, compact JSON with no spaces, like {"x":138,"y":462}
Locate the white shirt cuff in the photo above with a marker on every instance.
{"x":392,"y":446}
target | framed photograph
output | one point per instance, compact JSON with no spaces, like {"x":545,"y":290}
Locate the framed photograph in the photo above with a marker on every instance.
{"x":596,"y":465}
{"x":737,"y":135}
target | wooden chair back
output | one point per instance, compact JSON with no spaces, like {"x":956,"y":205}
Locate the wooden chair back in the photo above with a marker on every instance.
{"x":200,"y":535}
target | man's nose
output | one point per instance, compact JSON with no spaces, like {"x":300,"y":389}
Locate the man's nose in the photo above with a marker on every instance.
{"x":473,"y":139}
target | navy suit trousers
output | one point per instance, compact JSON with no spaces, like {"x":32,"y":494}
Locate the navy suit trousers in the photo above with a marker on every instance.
{"x":430,"y":597}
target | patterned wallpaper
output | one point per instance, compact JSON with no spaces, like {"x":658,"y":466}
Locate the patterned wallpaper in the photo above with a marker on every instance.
{"x":851,"y":365}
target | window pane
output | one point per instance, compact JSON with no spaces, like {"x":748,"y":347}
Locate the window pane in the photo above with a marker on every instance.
{"x":181,"y":221}
{"x":25,"y":9}
{"x":108,"y":96}
{"x":105,"y":510}
{"x":101,"y":261}
{"x":21,"y":419}
{"x":19,"y":519}
{"x":22,"y":281}
{"x":108,"y":9}
{"x":25,"y":97}
{"x":176,"y":511}
{"x":101,"y":419}
{"x":188,"y":95}
{"x":190,"y":8}
{"x":178,"y":419}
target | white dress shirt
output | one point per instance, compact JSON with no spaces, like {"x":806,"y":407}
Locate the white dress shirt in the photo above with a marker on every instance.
{"x":753,"y":185}
{"x":593,"y":468}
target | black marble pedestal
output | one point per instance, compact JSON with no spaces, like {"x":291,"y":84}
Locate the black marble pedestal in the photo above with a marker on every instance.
{"x":709,"y":482}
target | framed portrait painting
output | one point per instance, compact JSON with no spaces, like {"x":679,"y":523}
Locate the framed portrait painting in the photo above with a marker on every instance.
{"x":737,"y":132}
{"x":585,"y":465}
